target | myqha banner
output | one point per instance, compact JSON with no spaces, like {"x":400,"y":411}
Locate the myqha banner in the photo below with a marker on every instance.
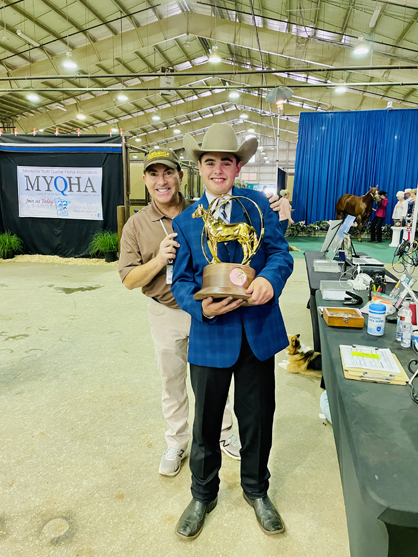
{"x":63,"y":193}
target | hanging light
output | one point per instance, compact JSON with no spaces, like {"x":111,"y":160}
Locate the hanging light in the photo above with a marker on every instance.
{"x":341,"y":88}
{"x":176,"y":131}
{"x":182,"y":157}
{"x":33,"y":97}
{"x":68,"y":62}
{"x":156,"y":146}
{"x":138,"y":139}
{"x":114,"y":130}
{"x":362,"y":47}
{"x":135,"y":156}
{"x":279,"y":95}
{"x":251,"y":130}
{"x":81,"y":116}
{"x":214,"y":57}
{"x":122,"y":97}
{"x":234,"y":95}
{"x":155,"y":117}
{"x":243,"y":116}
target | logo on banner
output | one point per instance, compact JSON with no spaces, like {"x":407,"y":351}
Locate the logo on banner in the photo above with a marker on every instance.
{"x":70,"y":193}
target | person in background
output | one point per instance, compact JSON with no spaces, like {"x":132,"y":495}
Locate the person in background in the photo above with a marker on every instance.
{"x":378,"y":219}
{"x":148,"y":248}
{"x":400,"y":210}
{"x":411,"y":203}
{"x":284,"y":210}
{"x":407,"y":193}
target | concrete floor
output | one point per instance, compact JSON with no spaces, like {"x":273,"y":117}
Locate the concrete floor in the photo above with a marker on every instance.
{"x":82,"y":433}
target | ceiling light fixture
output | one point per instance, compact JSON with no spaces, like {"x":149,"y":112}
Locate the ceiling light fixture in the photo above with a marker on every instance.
{"x":176,"y":131}
{"x":81,"y":116}
{"x":375,"y":16}
{"x":251,"y":130}
{"x":41,"y":130}
{"x":279,"y":95}
{"x":362,"y":47}
{"x":341,"y":88}
{"x":156,"y":146}
{"x":234,"y":95}
{"x":243,"y":116}
{"x":138,"y":139}
{"x":249,"y":136}
{"x":182,"y":157}
{"x":68,"y":62}
{"x":122,"y":97}
{"x":26,"y":38}
{"x":214,"y":57}
{"x":135,"y":156}
{"x":156,"y":118}
{"x":32,"y":97}
{"x":114,"y":130}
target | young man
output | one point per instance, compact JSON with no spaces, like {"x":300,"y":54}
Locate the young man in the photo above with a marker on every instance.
{"x":148,"y":247}
{"x":229,"y":340}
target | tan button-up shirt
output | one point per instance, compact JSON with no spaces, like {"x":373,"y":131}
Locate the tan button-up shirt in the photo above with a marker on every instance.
{"x":141,"y":239}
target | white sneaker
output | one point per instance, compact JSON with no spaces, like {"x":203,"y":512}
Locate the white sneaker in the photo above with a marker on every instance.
{"x":231,"y":447}
{"x":171,"y":461}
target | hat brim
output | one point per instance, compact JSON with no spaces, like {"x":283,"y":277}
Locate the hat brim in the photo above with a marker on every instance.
{"x":244,"y":153}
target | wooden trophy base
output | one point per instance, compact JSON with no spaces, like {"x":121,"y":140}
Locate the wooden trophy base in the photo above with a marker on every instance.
{"x":223,"y":280}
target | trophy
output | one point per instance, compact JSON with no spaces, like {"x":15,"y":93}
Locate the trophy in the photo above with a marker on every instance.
{"x":222,"y":280}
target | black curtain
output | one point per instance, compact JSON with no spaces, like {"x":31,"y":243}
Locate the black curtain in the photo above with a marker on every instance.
{"x":59,"y":236}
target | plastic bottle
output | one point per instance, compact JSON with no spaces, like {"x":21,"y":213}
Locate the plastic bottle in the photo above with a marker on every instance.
{"x":402,"y":313}
{"x":407,"y":331}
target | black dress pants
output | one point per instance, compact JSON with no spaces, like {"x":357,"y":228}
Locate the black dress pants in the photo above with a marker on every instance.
{"x":254,"y":405}
{"x":376,"y":229}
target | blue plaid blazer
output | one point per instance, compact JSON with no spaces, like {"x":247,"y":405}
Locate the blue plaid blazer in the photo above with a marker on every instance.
{"x":217,"y":342}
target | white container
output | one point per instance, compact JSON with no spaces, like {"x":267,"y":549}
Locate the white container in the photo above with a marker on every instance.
{"x":376,"y":322}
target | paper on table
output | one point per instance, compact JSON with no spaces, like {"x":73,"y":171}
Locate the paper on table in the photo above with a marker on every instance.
{"x":385,"y":362}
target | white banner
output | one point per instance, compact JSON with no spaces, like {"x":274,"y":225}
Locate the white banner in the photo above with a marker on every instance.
{"x":63,"y":193}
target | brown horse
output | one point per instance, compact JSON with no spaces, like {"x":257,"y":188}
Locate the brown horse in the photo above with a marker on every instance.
{"x":357,"y":206}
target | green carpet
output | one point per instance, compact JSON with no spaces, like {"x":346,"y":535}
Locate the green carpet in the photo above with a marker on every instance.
{"x":382,"y":251}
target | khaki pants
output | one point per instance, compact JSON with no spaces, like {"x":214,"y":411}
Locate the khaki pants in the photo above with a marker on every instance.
{"x":170,"y":333}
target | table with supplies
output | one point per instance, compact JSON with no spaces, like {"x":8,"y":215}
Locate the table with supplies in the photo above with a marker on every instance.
{"x":376,"y":434}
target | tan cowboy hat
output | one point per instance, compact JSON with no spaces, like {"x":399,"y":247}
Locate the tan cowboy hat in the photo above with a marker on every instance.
{"x":220,"y":138}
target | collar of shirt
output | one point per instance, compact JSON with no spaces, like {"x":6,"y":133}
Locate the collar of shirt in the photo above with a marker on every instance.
{"x":156,"y":214}
{"x":228,"y":206}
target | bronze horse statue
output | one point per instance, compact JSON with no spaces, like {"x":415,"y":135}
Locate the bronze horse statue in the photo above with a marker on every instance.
{"x":357,"y":206}
{"x":218,"y":231}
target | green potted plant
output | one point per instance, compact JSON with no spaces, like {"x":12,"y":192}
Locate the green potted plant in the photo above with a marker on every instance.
{"x":105,"y":242}
{"x":10,"y":244}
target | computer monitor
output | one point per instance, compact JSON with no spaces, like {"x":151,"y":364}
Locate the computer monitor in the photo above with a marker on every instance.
{"x":333,"y":228}
{"x":348,"y":248}
{"x":339,"y":237}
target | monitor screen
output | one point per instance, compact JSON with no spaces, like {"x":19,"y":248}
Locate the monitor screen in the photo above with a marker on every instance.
{"x":348,"y":248}
{"x":339,"y":237}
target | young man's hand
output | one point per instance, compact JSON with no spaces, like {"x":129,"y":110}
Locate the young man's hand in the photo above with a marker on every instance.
{"x":261,"y":291}
{"x":211,"y":308}
{"x":168,"y":248}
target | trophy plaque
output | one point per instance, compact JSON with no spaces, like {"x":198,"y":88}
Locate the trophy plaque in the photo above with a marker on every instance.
{"x":222,"y":280}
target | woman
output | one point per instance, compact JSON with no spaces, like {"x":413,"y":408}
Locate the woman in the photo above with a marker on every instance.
{"x":400,"y":209}
{"x":377,"y":222}
{"x":284,"y":210}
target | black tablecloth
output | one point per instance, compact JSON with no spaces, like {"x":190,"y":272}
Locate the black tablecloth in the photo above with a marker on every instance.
{"x":376,"y":435}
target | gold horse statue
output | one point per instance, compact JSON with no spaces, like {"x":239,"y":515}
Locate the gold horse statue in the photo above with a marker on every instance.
{"x":217,"y":231}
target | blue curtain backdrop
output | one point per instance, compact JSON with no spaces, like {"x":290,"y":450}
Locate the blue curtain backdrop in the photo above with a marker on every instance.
{"x":349,"y":152}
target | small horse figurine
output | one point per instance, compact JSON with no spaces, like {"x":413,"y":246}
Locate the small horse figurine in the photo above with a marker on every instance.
{"x":357,"y":206}
{"x":218,"y":231}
